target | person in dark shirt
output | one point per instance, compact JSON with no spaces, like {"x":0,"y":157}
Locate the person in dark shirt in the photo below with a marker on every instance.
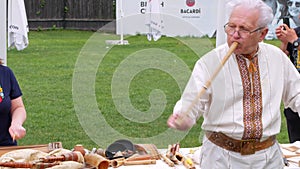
{"x":12,"y":110}
{"x":290,"y":41}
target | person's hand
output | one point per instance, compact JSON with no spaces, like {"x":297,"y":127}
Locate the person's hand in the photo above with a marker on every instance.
{"x":286,"y":34}
{"x":281,"y":33}
{"x":180,"y":122}
{"x":17,"y":131}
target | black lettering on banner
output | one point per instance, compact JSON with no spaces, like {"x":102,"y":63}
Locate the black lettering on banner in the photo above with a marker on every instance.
{"x":13,"y":27}
{"x":143,"y":3}
{"x":143,"y":10}
{"x":191,"y":11}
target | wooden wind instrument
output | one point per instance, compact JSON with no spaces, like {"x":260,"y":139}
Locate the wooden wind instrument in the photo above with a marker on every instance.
{"x":167,"y":160}
{"x":28,"y":165}
{"x":140,"y":162}
{"x":173,"y":153}
{"x":96,"y":161}
{"x":117,"y":162}
{"x":291,"y":155}
{"x":186,"y":161}
{"x":139,"y":157}
{"x":73,"y":156}
{"x":133,"y":160}
{"x":185,"y":114}
{"x":79,"y":148}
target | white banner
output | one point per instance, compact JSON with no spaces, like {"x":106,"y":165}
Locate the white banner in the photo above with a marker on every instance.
{"x":197,"y":18}
{"x":17,"y":25}
{"x":179,"y":17}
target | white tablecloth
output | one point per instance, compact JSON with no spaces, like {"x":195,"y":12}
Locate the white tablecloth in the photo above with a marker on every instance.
{"x":292,"y":153}
{"x":286,"y":150}
{"x":159,"y":165}
{"x":162,"y":165}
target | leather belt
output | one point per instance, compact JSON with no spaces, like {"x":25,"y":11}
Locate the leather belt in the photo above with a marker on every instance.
{"x":245,"y":147}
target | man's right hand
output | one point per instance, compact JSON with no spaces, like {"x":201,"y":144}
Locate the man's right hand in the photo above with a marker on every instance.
{"x":180,"y":122}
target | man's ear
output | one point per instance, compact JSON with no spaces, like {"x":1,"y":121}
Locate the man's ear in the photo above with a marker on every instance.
{"x":263,"y":34}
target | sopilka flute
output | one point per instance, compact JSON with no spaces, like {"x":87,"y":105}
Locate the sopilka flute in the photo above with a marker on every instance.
{"x":167,"y":160}
{"x":27,"y":165}
{"x":118,"y":162}
{"x":73,"y":156}
{"x":185,"y":114}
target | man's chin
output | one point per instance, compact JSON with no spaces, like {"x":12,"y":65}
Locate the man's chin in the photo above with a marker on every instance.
{"x":237,"y":52}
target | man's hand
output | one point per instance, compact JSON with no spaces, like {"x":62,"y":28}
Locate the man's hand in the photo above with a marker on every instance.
{"x":180,"y":122}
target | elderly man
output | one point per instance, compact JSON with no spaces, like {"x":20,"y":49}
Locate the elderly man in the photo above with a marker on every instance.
{"x":241,"y":107}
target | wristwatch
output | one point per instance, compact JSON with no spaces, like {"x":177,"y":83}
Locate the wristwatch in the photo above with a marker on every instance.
{"x":296,"y":43}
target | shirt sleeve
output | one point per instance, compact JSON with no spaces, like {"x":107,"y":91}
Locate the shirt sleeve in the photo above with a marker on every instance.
{"x":291,"y":96}
{"x":15,"y":88}
{"x":195,"y":98}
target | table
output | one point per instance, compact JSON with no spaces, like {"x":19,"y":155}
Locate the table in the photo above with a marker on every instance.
{"x":160,"y":164}
{"x":288,"y":150}
{"x":292,"y":154}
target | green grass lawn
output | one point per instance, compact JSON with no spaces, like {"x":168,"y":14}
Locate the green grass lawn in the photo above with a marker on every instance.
{"x":46,"y":71}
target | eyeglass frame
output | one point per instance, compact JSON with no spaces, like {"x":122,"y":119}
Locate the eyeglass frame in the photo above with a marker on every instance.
{"x":290,"y":3}
{"x":248,"y":32}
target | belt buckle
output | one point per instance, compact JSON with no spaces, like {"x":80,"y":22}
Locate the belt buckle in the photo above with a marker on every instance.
{"x":248,"y":147}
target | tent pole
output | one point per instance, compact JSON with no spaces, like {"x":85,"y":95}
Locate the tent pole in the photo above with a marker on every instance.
{"x":119,"y":22}
{"x":3,"y":46}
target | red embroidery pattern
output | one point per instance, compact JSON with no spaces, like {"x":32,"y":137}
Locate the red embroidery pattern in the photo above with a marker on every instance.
{"x":1,"y":94}
{"x":252,"y":100}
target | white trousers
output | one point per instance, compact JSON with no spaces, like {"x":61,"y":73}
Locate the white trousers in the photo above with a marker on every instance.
{"x":215,"y":157}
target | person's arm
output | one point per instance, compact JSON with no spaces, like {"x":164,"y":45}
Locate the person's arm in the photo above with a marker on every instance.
{"x":283,"y":47}
{"x":187,"y":110}
{"x":18,"y":114}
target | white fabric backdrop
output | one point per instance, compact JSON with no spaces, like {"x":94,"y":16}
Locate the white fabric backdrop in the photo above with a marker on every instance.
{"x":212,"y":15}
{"x":17,"y":25}
{"x":180,"y":17}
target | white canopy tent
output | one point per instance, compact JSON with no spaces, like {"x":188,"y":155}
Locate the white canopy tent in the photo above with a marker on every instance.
{"x":3,"y":49}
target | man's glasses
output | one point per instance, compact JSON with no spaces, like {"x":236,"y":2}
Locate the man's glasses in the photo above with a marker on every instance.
{"x":230,"y":30}
{"x":290,"y":3}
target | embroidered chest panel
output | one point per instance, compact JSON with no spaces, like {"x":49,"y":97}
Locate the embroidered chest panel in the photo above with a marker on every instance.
{"x":252,"y":98}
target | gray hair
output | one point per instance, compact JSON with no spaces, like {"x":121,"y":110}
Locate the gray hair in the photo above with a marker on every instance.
{"x":265,"y":12}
